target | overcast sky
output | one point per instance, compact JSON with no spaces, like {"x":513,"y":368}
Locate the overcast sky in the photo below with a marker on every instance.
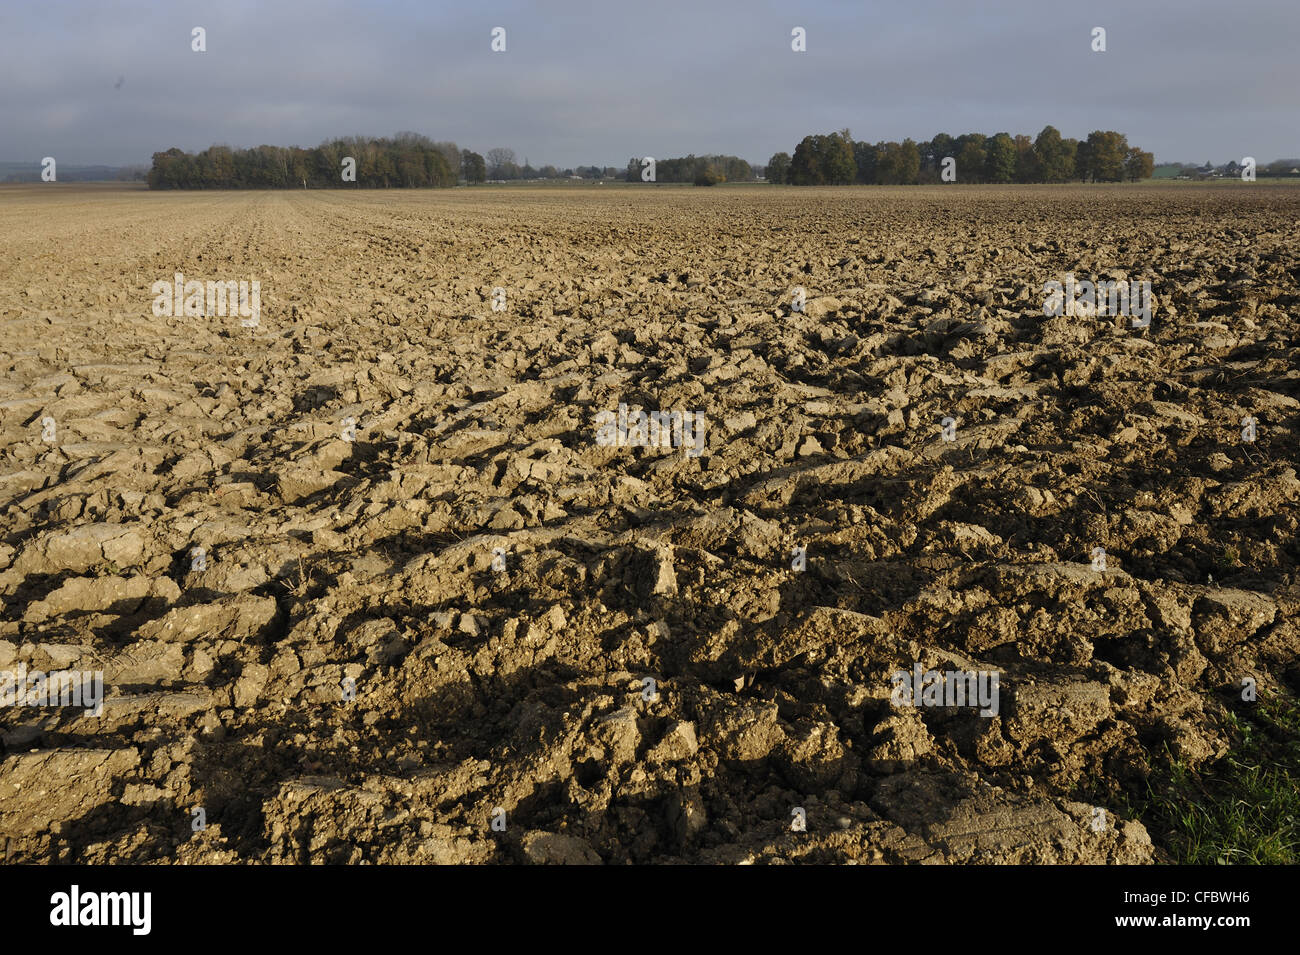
{"x":98,"y":81}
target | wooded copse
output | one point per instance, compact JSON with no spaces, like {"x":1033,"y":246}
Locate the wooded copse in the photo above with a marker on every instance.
{"x":406,"y":160}
{"x":836,"y":159}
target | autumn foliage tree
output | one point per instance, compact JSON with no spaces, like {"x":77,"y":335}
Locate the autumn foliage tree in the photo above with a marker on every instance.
{"x":778,"y":168}
{"x":1138,"y":164}
{"x":1101,"y":157}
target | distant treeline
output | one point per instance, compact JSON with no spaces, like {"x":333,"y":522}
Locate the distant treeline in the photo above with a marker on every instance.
{"x":1278,"y":168}
{"x":407,"y":160}
{"x":836,"y":159}
{"x":31,"y":172}
{"x":701,"y":170}
{"x":502,"y":165}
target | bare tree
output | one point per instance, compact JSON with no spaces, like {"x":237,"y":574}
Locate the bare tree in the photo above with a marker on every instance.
{"x":500,"y":162}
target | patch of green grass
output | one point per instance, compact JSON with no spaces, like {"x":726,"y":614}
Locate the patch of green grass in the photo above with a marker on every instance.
{"x":1246,"y":809}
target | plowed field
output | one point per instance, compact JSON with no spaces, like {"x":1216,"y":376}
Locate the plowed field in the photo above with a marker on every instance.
{"x":470,"y":625}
